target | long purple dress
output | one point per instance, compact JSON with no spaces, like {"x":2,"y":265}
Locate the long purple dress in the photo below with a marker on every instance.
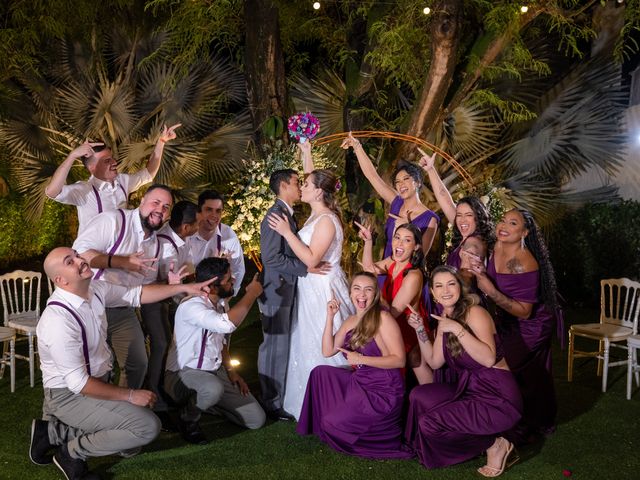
{"x":527,"y":346}
{"x":356,"y":411}
{"x":449,"y":423}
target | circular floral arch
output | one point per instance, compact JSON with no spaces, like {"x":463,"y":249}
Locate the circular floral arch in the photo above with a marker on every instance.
{"x":398,"y":136}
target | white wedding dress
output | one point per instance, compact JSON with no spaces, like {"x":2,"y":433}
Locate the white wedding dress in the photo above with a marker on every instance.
{"x":309,"y":318}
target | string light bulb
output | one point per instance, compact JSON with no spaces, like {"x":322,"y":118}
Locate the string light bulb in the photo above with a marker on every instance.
{"x":524,"y":9}
{"x":316,"y":5}
{"x":235,"y":362}
{"x":426,"y":10}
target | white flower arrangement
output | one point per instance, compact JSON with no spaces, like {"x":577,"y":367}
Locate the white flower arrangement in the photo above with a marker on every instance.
{"x":250,"y":196}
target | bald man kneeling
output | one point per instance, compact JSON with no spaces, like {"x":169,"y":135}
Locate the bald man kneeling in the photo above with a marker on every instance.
{"x":85,"y":415}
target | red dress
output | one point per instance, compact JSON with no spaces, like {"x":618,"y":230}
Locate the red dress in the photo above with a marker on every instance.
{"x":390,"y":288}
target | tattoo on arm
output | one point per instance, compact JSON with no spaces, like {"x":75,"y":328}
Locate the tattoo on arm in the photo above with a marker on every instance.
{"x":514,"y":266}
{"x":502,"y":301}
{"x":422,"y":335}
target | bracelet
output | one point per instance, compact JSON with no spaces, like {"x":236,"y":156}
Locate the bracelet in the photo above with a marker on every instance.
{"x":130,"y":400}
{"x":109,"y":257}
{"x":461,"y":333}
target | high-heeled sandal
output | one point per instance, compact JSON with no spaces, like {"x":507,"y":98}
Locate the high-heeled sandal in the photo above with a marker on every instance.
{"x":488,"y":471}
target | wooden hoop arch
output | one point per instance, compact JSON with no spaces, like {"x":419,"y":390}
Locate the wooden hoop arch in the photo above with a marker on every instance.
{"x":399,"y":136}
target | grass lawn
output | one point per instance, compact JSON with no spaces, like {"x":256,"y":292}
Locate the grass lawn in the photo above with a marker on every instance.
{"x":598,"y":437}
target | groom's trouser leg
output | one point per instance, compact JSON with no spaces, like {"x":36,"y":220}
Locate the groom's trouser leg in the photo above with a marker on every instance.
{"x":273,"y":354}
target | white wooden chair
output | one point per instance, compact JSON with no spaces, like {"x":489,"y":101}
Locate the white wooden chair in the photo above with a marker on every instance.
{"x":619,"y":311}
{"x":8,"y":354}
{"x":20,"y":292}
{"x":633,"y":344}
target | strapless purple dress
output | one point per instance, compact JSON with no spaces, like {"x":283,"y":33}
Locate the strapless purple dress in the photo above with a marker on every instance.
{"x":450,"y":423}
{"x":356,"y":411}
{"x":527,"y":346}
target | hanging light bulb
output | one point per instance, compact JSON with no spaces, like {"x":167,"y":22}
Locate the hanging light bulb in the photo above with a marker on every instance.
{"x":316,"y":5}
{"x":426,"y":10}
{"x":235,"y":362}
{"x":524,"y":9}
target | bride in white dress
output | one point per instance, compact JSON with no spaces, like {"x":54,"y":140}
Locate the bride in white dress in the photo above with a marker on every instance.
{"x":320,"y":240}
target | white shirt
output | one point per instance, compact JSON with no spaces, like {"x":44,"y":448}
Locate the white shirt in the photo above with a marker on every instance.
{"x":197,"y":317}
{"x":172,"y":249}
{"x":102,"y":234}
{"x":201,"y":249}
{"x":60,"y":345}
{"x":83,"y":196}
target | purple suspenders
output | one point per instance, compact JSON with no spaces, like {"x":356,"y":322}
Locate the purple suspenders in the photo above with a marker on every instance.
{"x":85,"y":347}
{"x":203,"y":343}
{"x":115,"y":245}
{"x":167,"y":237}
{"x":99,"y":201}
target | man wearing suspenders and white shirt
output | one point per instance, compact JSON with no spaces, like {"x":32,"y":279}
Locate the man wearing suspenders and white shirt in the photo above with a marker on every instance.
{"x":106,"y":189}
{"x":120,"y":244}
{"x":85,"y":416}
{"x":215,"y":239}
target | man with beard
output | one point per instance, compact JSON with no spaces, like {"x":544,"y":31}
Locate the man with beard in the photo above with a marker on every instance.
{"x":214,"y":238}
{"x":199,"y":374}
{"x":86,"y":416}
{"x":120,"y":245}
{"x":106,"y":189}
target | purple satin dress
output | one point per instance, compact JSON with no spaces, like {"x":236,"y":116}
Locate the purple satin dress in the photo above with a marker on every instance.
{"x":527,"y":347}
{"x":356,"y":411}
{"x":450,"y":423}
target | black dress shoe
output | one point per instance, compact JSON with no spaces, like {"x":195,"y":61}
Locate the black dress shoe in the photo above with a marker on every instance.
{"x":280,"y":414}
{"x":192,"y":433}
{"x":73,"y":468}
{"x":40,"y":446}
{"x":168,"y":425}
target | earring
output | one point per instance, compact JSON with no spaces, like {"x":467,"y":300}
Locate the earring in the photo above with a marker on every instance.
{"x":522,"y":243}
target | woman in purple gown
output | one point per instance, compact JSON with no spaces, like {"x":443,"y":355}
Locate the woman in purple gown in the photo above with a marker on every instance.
{"x":357,"y":410}
{"x":520,"y":280}
{"x":403,"y":197}
{"x":449,"y":423}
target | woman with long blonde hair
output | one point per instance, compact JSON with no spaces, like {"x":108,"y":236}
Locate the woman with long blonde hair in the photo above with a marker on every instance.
{"x":357,"y":410}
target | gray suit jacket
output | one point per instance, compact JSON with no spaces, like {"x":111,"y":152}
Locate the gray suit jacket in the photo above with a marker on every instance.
{"x":281,"y":267}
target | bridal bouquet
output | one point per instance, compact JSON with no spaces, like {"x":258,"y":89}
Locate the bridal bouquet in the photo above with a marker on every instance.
{"x":303,"y":126}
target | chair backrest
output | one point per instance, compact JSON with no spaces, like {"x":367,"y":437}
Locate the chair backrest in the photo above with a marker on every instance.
{"x":20,"y":292}
{"x":620,"y":302}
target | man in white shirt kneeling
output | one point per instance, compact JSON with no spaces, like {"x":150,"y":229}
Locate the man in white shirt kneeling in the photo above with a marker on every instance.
{"x":199,"y":375}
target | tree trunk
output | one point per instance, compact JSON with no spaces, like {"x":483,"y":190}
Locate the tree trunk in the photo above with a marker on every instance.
{"x":445,"y":38}
{"x":264,"y":64}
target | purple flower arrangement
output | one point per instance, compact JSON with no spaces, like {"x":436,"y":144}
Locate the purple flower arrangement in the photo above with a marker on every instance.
{"x":303,"y":126}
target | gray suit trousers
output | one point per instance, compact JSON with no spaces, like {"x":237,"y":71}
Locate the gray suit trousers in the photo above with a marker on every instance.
{"x":273,"y":354}
{"x":95,"y":428}
{"x":125,"y":336}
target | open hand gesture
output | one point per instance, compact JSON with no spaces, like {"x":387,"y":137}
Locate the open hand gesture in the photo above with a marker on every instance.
{"x":137,"y":262}
{"x":279,"y":223}
{"x":175,"y":278}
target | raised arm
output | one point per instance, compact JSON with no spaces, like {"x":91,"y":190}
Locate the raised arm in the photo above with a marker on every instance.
{"x":330,"y":342}
{"x":368,"y":265}
{"x":409,"y":290}
{"x":59,"y":177}
{"x":153,"y":164}
{"x":510,"y":305}
{"x":437,"y":185}
{"x":366,"y":165}
{"x":307,"y":159}
{"x":428,"y":235}
{"x":323,"y":234}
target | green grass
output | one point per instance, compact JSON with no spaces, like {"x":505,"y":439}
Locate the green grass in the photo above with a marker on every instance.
{"x":598,"y":437}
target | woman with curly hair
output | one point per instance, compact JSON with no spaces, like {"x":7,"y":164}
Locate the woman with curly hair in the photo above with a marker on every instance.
{"x":519,"y":279}
{"x":450,"y":423}
{"x":403,"y":197}
{"x":358,"y":411}
{"x":469,"y":216}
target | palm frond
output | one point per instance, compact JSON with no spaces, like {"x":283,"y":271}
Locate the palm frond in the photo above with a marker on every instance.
{"x":325,"y":96}
{"x":226,"y":147}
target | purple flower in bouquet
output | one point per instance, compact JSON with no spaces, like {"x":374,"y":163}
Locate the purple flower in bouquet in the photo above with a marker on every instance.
{"x":303,"y":126}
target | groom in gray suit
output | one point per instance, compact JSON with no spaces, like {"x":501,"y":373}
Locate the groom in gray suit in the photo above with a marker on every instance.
{"x":280,"y":274}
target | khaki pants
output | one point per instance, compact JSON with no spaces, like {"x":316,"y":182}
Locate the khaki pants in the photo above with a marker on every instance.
{"x":95,"y":428}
